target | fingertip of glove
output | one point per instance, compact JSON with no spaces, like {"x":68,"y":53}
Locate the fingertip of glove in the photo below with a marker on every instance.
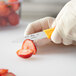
{"x":56,"y":37}
{"x":25,"y":33}
{"x":67,"y":41}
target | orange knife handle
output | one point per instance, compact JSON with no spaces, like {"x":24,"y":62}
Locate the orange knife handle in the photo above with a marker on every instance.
{"x":49,"y":32}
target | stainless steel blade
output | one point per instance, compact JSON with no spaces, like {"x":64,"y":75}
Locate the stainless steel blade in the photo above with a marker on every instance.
{"x":36,"y":36}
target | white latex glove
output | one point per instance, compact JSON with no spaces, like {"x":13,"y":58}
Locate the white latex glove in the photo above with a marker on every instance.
{"x":65,"y":31}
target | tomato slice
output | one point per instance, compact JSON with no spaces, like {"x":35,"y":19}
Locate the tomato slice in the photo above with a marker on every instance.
{"x":29,"y":44}
{"x":3,"y":71}
{"x":24,"y":53}
{"x":8,"y":74}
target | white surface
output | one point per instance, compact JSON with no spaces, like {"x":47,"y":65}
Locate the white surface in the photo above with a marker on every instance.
{"x":52,"y":60}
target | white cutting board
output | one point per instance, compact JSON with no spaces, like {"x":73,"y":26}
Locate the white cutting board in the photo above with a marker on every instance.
{"x":51,"y":60}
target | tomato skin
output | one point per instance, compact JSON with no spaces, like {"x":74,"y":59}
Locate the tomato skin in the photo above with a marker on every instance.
{"x":4,"y":9}
{"x":8,"y":74}
{"x":13,"y":19}
{"x":14,"y":6}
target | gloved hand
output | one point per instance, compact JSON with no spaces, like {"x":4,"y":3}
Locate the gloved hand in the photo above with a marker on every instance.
{"x":65,"y":30}
{"x":38,"y":26}
{"x":65,"y":22}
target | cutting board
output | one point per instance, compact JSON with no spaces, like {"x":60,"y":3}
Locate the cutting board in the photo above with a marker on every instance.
{"x":50,"y":60}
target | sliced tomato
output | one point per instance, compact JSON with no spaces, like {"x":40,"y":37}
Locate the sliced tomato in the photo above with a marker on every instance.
{"x":3,"y":71}
{"x":29,"y":44}
{"x":24,"y":53}
{"x":8,"y":74}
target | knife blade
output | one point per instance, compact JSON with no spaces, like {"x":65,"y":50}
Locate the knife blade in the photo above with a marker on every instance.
{"x":36,"y":36}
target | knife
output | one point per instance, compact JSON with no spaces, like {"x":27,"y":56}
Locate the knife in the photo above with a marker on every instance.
{"x":40,"y":35}
{"x":39,"y":39}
